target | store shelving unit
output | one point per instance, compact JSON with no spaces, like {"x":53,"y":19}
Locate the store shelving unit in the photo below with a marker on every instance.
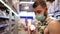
{"x":8,"y":19}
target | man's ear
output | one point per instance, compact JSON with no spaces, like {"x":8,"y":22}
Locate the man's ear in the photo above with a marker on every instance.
{"x":46,"y":13}
{"x":46,"y":9}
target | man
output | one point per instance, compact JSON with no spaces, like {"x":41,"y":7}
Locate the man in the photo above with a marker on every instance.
{"x":54,"y":26}
{"x":40,"y":9}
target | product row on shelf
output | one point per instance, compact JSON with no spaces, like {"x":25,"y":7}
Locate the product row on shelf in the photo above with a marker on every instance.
{"x":8,"y":19}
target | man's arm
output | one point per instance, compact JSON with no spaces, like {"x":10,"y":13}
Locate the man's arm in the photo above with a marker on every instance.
{"x":46,"y":30}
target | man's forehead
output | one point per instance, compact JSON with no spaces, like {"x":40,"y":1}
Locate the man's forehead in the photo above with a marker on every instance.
{"x":38,"y":8}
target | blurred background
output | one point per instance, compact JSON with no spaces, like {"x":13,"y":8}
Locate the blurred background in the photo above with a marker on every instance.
{"x":15,"y":14}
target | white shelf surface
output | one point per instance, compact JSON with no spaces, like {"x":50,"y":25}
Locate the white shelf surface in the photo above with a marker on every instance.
{"x":3,"y":25}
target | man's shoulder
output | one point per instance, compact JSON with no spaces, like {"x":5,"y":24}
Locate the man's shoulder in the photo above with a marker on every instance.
{"x":52,"y":23}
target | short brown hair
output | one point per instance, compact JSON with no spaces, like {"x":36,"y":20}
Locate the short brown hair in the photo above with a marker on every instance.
{"x":42,"y":3}
{"x":39,"y":2}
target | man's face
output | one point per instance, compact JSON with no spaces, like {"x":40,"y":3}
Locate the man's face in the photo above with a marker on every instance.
{"x":38,"y":10}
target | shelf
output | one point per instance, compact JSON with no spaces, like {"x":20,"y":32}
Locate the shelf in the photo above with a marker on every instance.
{"x":4,"y":17}
{"x":3,"y":32}
{"x":2,"y":6}
{"x":3,"y":25}
{"x":9,"y":7}
{"x":12,"y":27}
{"x":11,"y":16}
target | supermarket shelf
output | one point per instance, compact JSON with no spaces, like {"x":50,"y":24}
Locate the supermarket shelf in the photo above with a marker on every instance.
{"x":4,"y":17}
{"x":8,"y":7}
{"x":3,"y":25}
{"x":3,"y":32}
{"x":11,"y":25}
{"x":13,"y":18}
{"x":6,"y":31}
